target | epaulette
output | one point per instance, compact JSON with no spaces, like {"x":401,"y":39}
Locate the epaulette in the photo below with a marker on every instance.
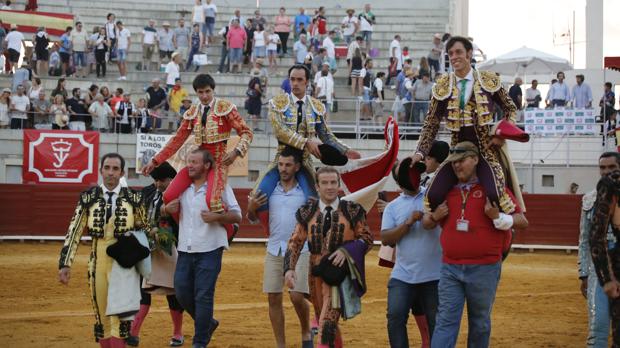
{"x":489,"y":81}
{"x":587,"y":201}
{"x":191,"y":113}
{"x":317,"y":106}
{"x":443,"y":87}
{"x":133,"y":197}
{"x":222,"y":107}
{"x":307,"y":211}
{"x":280,"y":102}
{"x":352,"y":211}
{"x":89,"y":196}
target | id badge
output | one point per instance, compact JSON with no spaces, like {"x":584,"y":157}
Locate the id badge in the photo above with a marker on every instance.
{"x":462,"y":225}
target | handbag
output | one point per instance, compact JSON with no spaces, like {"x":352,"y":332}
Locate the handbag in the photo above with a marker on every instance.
{"x":334,"y":106}
{"x":200,"y":59}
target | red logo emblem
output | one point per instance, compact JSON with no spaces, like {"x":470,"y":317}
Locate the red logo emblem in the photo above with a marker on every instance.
{"x":60,"y":157}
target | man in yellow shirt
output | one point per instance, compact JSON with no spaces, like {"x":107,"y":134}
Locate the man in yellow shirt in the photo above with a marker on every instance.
{"x":176,"y":96}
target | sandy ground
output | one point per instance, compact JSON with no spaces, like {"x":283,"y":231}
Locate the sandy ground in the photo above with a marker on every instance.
{"x":538,"y":303}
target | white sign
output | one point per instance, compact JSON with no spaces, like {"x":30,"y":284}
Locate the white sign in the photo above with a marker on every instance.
{"x":560,"y":121}
{"x":147,"y":146}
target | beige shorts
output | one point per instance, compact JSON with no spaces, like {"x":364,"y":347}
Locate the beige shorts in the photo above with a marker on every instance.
{"x":183,"y":51}
{"x":147,"y":51}
{"x":273,"y":276}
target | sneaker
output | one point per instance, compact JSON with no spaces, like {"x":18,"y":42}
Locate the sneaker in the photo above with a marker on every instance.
{"x":123,"y":78}
{"x":132,"y":341}
{"x":119,"y":78}
{"x":177,"y":341}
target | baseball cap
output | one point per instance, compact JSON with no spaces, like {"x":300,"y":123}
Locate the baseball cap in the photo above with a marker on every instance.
{"x":462,"y":150}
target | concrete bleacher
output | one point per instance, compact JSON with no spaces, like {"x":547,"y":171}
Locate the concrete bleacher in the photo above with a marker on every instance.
{"x":416,"y":25}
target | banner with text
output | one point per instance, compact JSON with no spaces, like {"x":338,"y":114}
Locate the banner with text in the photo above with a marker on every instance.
{"x":61,"y":157}
{"x":560,"y":121}
{"x":148,"y":145}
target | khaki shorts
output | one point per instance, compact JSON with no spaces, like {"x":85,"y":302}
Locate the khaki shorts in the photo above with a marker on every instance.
{"x":147,"y":51}
{"x":273,"y":276}
{"x":183,"y":51}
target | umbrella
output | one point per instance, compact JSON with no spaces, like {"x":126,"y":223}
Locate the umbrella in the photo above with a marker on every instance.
{"x":526,"y":61}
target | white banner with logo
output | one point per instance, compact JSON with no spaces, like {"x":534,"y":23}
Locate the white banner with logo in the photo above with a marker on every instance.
{"x":560,"y":121}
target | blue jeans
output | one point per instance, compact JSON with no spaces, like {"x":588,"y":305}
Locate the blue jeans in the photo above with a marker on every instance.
{"x":476,"y":284}
{"x":400,"y":300}
{"x":598,"y":314}
{"x":420,"y":109}
{"x":194,"y":284}
{"x":224,"y":61}
{"x":434,"y":65}
{"x":79,"y":59}
{"x":235,"y":55}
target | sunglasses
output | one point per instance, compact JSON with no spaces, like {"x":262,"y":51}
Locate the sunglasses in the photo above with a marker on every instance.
{"x":453,"y":150}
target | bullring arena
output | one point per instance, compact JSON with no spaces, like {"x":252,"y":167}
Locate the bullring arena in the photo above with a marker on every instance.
{"x":538,"y":303}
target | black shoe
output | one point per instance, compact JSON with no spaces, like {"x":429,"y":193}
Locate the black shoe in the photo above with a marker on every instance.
{"x":214,"y":325}
{"x":132,"y":341}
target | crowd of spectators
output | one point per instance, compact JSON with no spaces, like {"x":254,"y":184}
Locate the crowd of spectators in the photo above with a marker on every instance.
{"x":250,"y":45}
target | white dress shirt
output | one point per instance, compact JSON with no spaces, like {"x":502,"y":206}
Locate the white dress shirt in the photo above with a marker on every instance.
{"x":468,"y":86}
{"x":333,"y":204}
{"x":195,"y":235}
{"x":115,"y":193}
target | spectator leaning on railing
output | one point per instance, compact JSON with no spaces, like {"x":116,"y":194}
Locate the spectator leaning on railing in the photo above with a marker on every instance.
{"x":20,"y":105}
{"x":59,"y":111}
{"x":101,"y":114}
{"x":41,"y":107}
{"x":78,"y":113}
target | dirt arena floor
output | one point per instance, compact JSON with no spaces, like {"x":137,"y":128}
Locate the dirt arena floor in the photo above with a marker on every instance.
{"x":538,"y":303}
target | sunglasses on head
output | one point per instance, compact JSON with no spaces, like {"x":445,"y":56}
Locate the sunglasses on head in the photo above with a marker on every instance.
{"x":453,"y":150}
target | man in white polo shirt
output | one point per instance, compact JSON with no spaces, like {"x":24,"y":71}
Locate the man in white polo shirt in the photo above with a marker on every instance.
{"x":202,"y":240}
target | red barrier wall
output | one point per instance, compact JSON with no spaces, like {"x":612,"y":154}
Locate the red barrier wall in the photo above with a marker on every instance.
{"x":45,"y":210}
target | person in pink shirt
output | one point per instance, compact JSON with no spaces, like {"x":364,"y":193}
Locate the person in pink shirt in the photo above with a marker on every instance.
{"x":283,"y":29}
{"x":236,"y":40}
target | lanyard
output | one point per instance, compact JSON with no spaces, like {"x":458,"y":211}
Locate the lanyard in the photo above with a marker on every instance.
{"x":464,"y":197}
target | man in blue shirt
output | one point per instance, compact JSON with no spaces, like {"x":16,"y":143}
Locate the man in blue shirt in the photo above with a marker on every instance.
{"x":415,"y":276}
{"x":300,"y":48}
{"x":582,"y":93}
{"x":65,"y":50}
{"x":284,"y":202}
{"x":558,"y":94}
{"x":301,"y":18}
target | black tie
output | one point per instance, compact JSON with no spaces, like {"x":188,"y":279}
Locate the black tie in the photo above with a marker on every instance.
{"x":423,"y":184}
{"x":205,"y":112}
{"x":300,"y":112}
{"x":328,"y":220}
{"x":108,"y":207}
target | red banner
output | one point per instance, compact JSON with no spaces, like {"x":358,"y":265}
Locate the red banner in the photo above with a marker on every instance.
{"x":60,"y":157}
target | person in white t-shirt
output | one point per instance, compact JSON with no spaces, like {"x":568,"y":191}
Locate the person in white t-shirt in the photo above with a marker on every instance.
{"x":350,"y":25}
{"x":377,"y":98}
{"x":173,"y":70}
{"x":330,"y":47}
{"x":325,"y":87}
{"x":198,"y":14}
{"x":123,"y":43}
{"x":396,"y":55}
{"x":79,"y":42}
{"x":14,"y":45}
{"x":20,"y":105}
{"x":273,"y":40}
{"x":367,"y":20}
{"x":208,"y":29}
{"x":149,"y":40}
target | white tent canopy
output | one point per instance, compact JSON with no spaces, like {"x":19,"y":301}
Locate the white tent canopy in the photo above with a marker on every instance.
{"x":526,"y":61}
